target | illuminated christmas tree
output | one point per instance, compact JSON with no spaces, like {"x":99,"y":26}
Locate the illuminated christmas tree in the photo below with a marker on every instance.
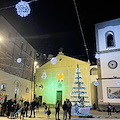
{"x":79,"y":97}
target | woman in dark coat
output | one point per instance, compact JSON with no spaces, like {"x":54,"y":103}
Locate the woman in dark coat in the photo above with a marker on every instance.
{"x":57,"y":109}
{"x":65,"y":108}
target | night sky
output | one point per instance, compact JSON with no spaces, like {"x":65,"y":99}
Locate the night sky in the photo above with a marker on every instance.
{"x":53,"y":24}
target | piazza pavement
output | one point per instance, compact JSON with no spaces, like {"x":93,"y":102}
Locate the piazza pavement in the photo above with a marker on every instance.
{"x":96,"y":115}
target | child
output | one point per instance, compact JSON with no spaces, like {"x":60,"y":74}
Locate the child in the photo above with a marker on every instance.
{"x":45,"y":109}
{"x":48,"y":113}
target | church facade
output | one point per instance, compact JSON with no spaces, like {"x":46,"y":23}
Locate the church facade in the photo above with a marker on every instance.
{"x":108,"y":48}
{"x":54,"y":81}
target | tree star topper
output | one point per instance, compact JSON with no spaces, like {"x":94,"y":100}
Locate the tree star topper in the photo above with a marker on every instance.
{"x":23,"y":8}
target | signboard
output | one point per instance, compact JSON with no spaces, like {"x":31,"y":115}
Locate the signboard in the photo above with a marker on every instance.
{"x":113,"y":92}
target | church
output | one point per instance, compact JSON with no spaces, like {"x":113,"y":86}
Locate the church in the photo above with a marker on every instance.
{"x":108,"y":61}
{"x":54,"y":80}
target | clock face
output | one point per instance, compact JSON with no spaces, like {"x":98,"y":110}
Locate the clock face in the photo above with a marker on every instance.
{"x":112,"y":64}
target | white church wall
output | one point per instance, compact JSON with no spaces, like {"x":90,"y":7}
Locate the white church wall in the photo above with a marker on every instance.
{"x":102,"y":39}
{"x":93,"y":78}
{"x":100,"y":92}
{"x":106,"y":72}
{"x":108,"y":47}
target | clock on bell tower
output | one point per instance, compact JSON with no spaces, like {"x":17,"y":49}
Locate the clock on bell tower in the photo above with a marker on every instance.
{"x":108,"y":48}
{"x":108,"y":60}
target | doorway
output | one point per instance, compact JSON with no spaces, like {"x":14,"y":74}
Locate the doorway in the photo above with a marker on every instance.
{"x":59,"y":97}
{"x":40,"y":100}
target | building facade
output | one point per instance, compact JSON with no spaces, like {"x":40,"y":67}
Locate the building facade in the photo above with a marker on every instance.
{"x":12,"y":47}
{"x":93,"y":78}
{"x":108,"y":48}
{"x":54,"y":81}
{"x":17,"y":58}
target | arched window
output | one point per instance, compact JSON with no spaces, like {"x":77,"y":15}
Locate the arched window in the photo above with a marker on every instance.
{"x":93,"y":71}
{"x":110,"y":39}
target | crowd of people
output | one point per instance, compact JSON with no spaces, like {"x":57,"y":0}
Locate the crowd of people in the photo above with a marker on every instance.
{"x":66,"y":109}
{"x":12,"y":108}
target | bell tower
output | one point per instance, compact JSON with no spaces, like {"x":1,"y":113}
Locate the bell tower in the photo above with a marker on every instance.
{"x":108,"y":50}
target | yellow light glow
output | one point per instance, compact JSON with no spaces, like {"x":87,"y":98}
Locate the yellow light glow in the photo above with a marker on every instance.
{"x":37,"y":66}
{"x":35,"y":63}
{"x":60,"y":77}
{"x":0,"y":38}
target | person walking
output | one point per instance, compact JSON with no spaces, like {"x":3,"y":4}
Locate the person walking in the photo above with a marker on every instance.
{"x":9,"y":104}
{"x":22,"y":112}
{"x":69,"y":105}
{"x":65,"y":108}
{"x":32,"y":108}
{"x":109,"y":109}
{"x":26,"y":104}
{"x":12,"y":110}
{"x":17,"y":107}
{"x":57,"y":109}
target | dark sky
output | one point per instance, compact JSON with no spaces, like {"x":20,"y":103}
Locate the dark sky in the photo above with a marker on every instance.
{"x":53,"y":24}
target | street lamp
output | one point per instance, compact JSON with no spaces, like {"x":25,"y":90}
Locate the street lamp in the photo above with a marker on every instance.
{"x":36,"y":66}
{"x":35,"y":63}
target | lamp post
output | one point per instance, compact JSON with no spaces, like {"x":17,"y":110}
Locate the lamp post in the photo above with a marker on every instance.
{"x":36,"y":66}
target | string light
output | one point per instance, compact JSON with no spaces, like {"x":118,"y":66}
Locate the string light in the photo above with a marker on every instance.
{"x":53,"y":60}
{"x":23,"y":8}
{"x":80,"y":26}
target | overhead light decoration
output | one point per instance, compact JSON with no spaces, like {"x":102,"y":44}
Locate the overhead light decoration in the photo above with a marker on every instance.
{"x":52,"y":84}
{"x":118,"y":82}
{"x":19,"y":60}
{"x":96,"y":83}
{"x":44,"y":75}
{"x":97,"y":56}
{"x":54,"y":60}
{"x":23,"y":8}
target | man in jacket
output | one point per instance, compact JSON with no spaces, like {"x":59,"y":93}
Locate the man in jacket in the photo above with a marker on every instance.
{"x":32,"y":107}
